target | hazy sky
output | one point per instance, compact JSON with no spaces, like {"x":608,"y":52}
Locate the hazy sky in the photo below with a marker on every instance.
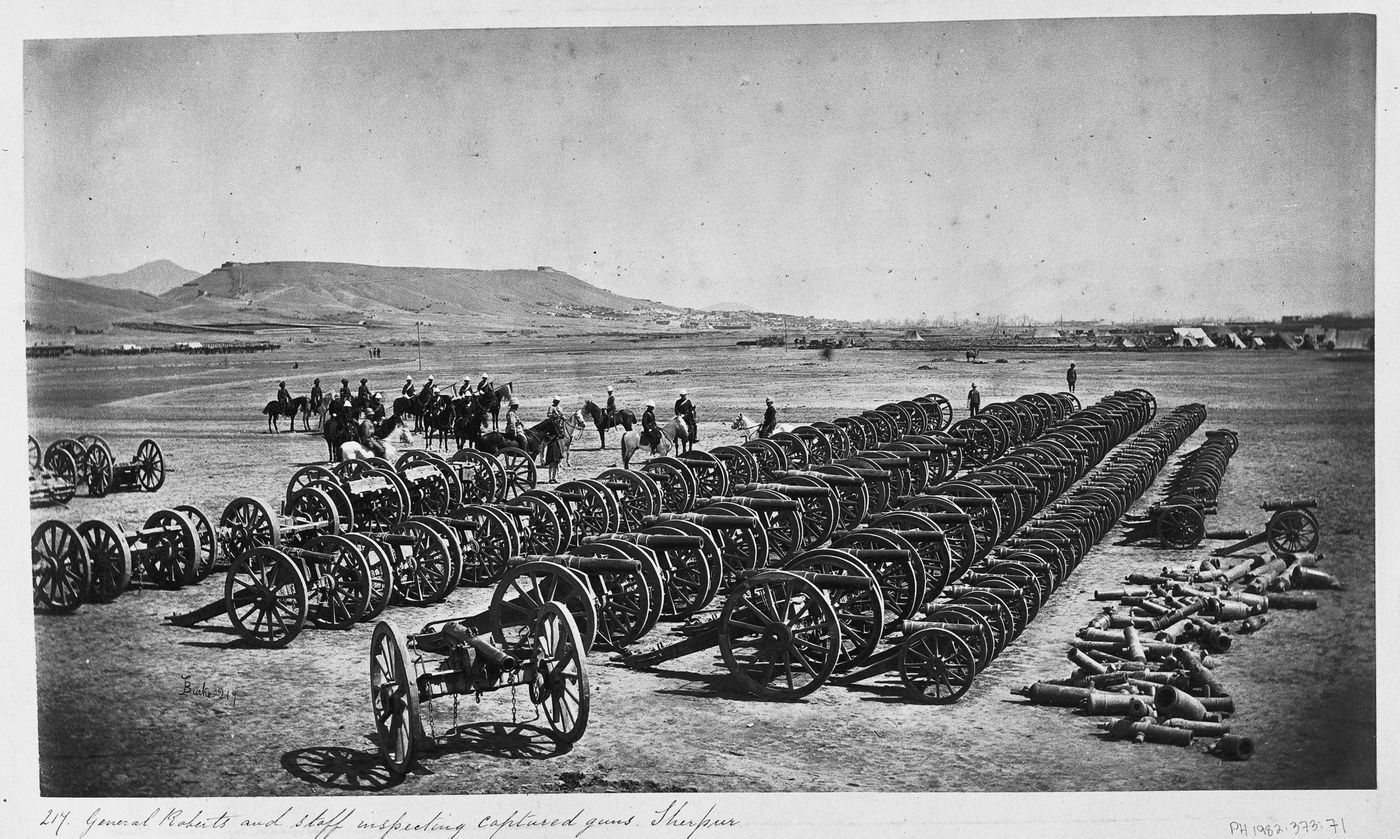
{"x":1149,"y":167}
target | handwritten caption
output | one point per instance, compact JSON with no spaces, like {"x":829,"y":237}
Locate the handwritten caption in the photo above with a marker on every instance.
{"x":203,"y":690}
{"x":679,"y":818}
{"x":1302,"y":827}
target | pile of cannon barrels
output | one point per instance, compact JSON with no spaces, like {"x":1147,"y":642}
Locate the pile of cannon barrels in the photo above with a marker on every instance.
{"x":1151,"y":659}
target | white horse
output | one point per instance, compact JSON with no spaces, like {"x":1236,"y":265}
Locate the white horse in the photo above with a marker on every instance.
{"x":572,"y":426}
{"x":750,"y":428}
{"x":632,"y":440}
{"x":400,"y":438}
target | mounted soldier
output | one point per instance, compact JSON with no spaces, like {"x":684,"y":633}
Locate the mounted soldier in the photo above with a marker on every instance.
{"x":610,"y":412}
{"x":364,"y":392}
{"x":429,"y":392}
{"x":408,"y":389}
{"x":344,"y":388}
{"x":685,"y":409}
{"x":514,"y":427}
{"x":284,"y":399}
{"x":651,"y":432}
{"x":770,"y":420}
{"x":365,"y":433}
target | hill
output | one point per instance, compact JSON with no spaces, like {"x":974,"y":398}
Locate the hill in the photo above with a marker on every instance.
{"x":730,"y":306}
{"x":56,"y":304}
{"x":153,"y":278}
{"x":341,"y":291}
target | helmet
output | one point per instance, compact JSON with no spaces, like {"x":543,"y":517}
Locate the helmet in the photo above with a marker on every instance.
{"x":408,"y":378}
{"x":556,"y":400}
{"x":651,"y":403}
{"x":769,"y":400}
{"x":684,"y":391}
{"x":514,"y":404}
{"x":610,"y":388}
{"x":430,"y":378}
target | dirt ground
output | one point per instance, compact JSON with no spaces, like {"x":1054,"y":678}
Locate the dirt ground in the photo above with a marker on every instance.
{"x":131,"y":707}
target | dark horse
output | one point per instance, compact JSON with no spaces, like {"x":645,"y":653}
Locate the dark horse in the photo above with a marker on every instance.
{"x":490,"y":402}
{"x":418,"y":405}
{"x":536,"y":439}
{"x":623,"y":417}
{"x":299,"y":405}
{"x":437,"y":418}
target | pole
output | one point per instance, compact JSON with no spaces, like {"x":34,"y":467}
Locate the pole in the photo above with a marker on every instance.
{"x":419,"y":326}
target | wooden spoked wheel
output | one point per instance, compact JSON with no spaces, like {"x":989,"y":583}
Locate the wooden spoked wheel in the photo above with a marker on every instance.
{"x":625,"y":599}
{"x":982,"y":507}
{"x":770,"y":456}
{"x":393,"y":697}
{"x":593,"y":510}
{"x":314,"y":513}
{"x":309,"y":475}
{"x":982,"y":446}
{"x":1292,"y":531}
{"x":61,"y":465}
{"x":74,"y":449}
{"x":61,"y":568}
{"x":422,"y":570}
{"x":936,"y":666}
{"x":880,"y":492}
{"x":836,"y":437}
{"x":519,"y":471}
{"x":711,"y":476}
{"x":820,"y":514}
{"x":794,"y":449}
{"x":542,"y":533}
{"x":381,"y":574}
{"x":339,"y":590}
{"x":560,"y":683}
{"x":1180,"y":526}
{"x":1071,"y":401}
{"x":942,"y":405}
{"x":739,"y":463}
{"x":919,"y":420}
{"x":918,"y":469}
{"x":959,"y":534}
{"x":497,"y":539}
{"x":678,"y":484}
{"x":378,"y":507}
{"x":204,"y":534}
{"x":786,"y":528}
{"x":977,"y":635}
{"x":859,"y":611}
{"x":350,"y":470}
{"x":902,"y":578}
{"x":530,"y":585}
{"x":265,"y":596}
{"x":36,"y":454}
{"x":690,"y":577}
{"x":170,"y":555}
{"x":429,"y":492}
{"x":248,"y":523}
{"x":99,"y":471}
{"x":638,"y":495}
{"x":562,"y":514}
{"x":896,"y":414}
{"x":742,"y":549}
{"x":150,"y":466}
{"x":819,"y":450}
{"x":109,"y":553}
{"x":779,"y":635}
{"x":475,"y":475}
{"x":852,"y":499}
{"x":651,"y":571}
{"x":856,"y":432}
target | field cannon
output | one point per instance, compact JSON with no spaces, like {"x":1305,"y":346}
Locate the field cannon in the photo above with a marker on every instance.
{"x":145,"y":471}
{"x":53,"y":475}
{"x":173,"y":548}
{"x":457,"y":657}
{"x":1292,"y":529}
{"x":780,"y":632}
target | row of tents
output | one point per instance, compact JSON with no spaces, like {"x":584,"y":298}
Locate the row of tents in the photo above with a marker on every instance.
{"x":1312,"y":338}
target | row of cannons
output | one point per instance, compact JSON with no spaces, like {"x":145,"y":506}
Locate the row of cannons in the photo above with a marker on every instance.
{"x":843,"y":570}
{"x":57,"y":472}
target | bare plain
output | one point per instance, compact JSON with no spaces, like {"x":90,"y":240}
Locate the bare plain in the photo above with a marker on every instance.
{"x":115,"y":717}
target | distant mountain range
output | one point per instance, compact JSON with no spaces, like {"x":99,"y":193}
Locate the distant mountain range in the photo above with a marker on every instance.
{"x":324,"y":291}
{"x":153,"y":278}
{"x":731,"y":306}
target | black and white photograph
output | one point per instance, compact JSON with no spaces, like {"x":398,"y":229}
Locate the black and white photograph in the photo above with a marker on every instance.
{"x":527,"y":422}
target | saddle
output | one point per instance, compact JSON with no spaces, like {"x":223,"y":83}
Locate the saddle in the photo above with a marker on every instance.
{"x":651,"y":438}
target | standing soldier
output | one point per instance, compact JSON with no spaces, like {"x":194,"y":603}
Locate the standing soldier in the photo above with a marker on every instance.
{"x":685,"y":409}
{"x":770,"y":420}
{"x":974,"y":400}
{"x":1071,"y":377}
{"x":651,"y":434}
{"x":316,"y":395}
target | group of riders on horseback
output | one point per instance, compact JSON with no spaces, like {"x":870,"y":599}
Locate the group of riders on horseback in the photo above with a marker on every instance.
{"x":360,"y":416}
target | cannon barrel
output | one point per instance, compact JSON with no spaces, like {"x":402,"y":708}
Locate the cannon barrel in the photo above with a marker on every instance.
{"x":460,"y":524}
{"x":841,"y":582}
{"x":393,"y":538}
{"x":878,"y":554}
{"x":910,"y":627}
{"x":711,"y":520}
{"x":1276,"y":504}
{"x":766,"y":504}
{"x":516,"y":509}
{"x":790,"y":490}
{"x":652,"y":540}
{"x":872,"y":474}
{"x":885,"y":459}
{"x":587,"y":564}
{"x":303,"y":553}
{"x":834,"y":480}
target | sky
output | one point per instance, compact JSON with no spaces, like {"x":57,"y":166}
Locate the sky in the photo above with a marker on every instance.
{"x":1146,"y":168}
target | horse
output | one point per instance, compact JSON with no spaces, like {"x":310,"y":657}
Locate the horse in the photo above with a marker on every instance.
{"x":750,"y":428}
{"x":390,"y":434}
{"x":468,"y":418}
{"x":536,"y":438}
{"x":490,"y":401}
{"x":436,"y":417}
{"x":632,"y":440}
{"x":298,"y":405}
{"x":622,"y":417}
{"x":572,"y":426}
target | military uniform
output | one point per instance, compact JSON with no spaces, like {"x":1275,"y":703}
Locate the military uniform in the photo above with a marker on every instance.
{"x":685,"y":409}
{"x":651,"y":434}
{"x":770,"y":422}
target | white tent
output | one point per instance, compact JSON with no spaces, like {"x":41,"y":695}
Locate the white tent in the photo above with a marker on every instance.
{"x":1191,"y":336}
{"x":1047,"y":332}
{"x":1232,"y":340}
{"x":1355,"y":339}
